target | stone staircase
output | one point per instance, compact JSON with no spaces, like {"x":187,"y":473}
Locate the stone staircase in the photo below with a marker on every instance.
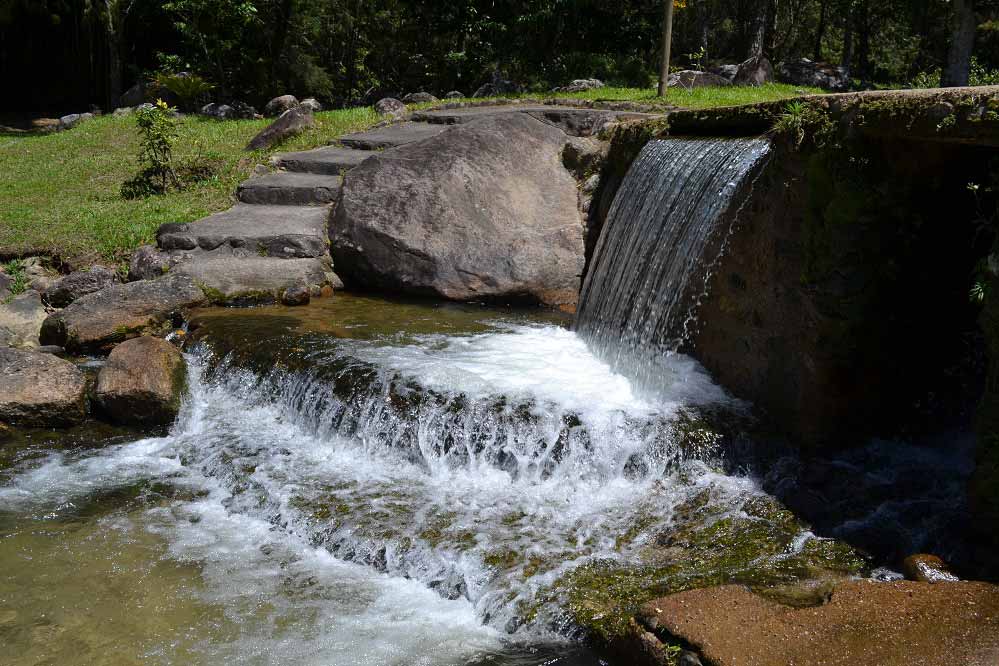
{"x":276,"y":237}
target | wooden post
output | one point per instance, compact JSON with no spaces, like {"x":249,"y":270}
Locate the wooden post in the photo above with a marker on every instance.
{"x":667,"y":43}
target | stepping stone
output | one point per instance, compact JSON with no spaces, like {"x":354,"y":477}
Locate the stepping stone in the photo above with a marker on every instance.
{"x":290,"y":189}
{"x":273,"y":231}
{"x":391,"y":136}
{"x":240,"y":278}
{"x":332,"y":161}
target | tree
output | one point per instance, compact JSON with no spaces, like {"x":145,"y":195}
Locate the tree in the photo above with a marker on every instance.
{"x":667,"y":44}
{"x":962,"y":41}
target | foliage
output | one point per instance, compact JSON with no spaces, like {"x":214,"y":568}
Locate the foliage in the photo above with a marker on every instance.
{"x":803,"y":122}
{"x":158,"y":132}
{"x":19,"y":278}
{"x":188,"y":88}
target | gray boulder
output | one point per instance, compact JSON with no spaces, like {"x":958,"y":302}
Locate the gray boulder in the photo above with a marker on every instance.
{"x":6,"y":282}
{"x":390,"y":107}
{"x":21,"y":320}
{"x":148,"y":263}
{"x":496,"y":87}
{"x":243,"y":111}
{"x":484,"y":210}
{"x":40,"y":390}
{"x":419,"y":98}
{"x":100,"y":320}
{"x":217,"y":111}
{"x":66,"y":290}
{"x":756,"y":71}
{"x":805,"y":72}
{"x":74,"y":119}
{"x":725,"y":71}
{"x":690,"y":78}
{"x":287,"y":125}
{"x":580,"y":85}
{"x":134,"y":96}
{"x":313,"y":104}
{"x":142,"y":382}
{"x":279,"y":105}
{"x":455,"y":94}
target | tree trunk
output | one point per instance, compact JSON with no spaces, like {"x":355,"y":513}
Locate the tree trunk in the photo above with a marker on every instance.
{"x":703,"y":22}
{"x":962,"y":40}
{"x":864,"y":40}
{"x":114,"y":28}
{"x":758,"y":29}
{"x":847,"y":60}
{"x":820,"y":32}
{"x":667,"y":45}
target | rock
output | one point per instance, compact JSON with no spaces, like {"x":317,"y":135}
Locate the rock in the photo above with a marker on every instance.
{"x":287,"y":125}
{"x":104,"y":318}
{"x":243,"y":111}
{"x":45,"y":125}
{"x":419,"y":98}
{"x":148,"y":263}
{"x":145,"y":105}
{"x":756,"y":71}
{"x":484,"y":210}
{"x":690,"y":78}
{"x":40,"y":390}
{"x":313,"y":104}
{"x":915,"y":624}
{"x":134,"y":96}
{"x":238,"y":277}
{"x":279,"y":105}
{"x":927,"y":569}
{"x":38,"y":274}
{"x":583,"y":157}
{"x":497,"y":87}
{"x":6,"y":282}
{"x":73,"y":119}
{"x":725,"y":71}
{"x":297,"y":295}
{"x":21,"y":320}
{"x":123,"y":111}
{"x":455,"y":94}
{"x":688,"y":658}
{"x":217,"y":111}
{"x":580,"y":85}
{"x":390,"y":107}
{"x":142,"y":382}
{"x":805,"y":72}
{"x":66,"y":290}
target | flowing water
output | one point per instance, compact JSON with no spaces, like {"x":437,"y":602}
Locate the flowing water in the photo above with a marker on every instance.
{"x":664,"y":232}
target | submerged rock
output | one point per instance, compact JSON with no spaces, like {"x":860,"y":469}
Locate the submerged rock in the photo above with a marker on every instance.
{"x":114,"y":314}
{"x":483,"y":211}
{"x":863,"y":622}
{"x":40,"y":390}
{"x":927,"y":569}
{"x":21,"y":320}
{"x":66,"y":290}
{"x":142,"y":382}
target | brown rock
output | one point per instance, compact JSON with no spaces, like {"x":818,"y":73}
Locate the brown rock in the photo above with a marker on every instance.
{"x":40,"y":390}
{"x":888,"y":624}
{"x":927,"y":569}
{"x":297,"y":295}
{"x":142,"y":382}
{"x":288,"y":124}
{"x":97,"y":321}
{"x":66,"y":290}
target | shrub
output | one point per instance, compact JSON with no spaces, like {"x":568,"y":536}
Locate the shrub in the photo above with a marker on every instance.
{"x":188,"y":88}
{"x":158,"y":131}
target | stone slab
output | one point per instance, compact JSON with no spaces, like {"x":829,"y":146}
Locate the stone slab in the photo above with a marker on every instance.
{"x":290,"y":189}
{"x":237,"y":277}
{"x":332,"y":161}
{"x":391,"y":136}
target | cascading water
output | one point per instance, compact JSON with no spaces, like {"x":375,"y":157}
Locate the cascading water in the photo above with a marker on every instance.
{"x":665,"y":230}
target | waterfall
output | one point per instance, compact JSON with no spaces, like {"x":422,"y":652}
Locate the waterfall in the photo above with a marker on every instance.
{"x":664,"y":232}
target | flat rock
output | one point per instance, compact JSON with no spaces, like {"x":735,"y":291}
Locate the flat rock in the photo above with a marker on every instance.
{"x":117,"y":313}
{"x":237,"y":277}
{"x":332,"y":161}
{"x":901,"y":623}
{"x":21,"y":320}
{"x":275,"y":231}
{"x":391,"y":136}
{"x":571,"y":120}
{"x":483,"y":211}
{"x":40,"y":390}
{"x":142,"y":382}
{"x":290,"y":189}
{"x":66,"y":290}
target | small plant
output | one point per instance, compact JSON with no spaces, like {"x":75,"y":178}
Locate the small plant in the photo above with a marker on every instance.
{"x":697,"y":59}
{"x":158,"y":130}
{"x":189,"y":88}
{"x":803,"y":122}
{"x":19,"y":277}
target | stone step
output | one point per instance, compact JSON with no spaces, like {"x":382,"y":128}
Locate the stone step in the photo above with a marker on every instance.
{"x":331,"y":161}
{"x":571,"y":120}
{"x":290,"y":189}
{"x":273,"y":231}
{"x":238,"y":277}
{"x":391,"y":136}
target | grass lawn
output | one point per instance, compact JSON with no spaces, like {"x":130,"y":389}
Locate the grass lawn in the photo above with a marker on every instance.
{"x":61,"y":192}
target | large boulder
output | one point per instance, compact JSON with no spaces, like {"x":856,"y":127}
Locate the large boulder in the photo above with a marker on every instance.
{"x":279,"y":105}
{"x":73,"y":119}
{"x":217,"y":111}
{"x":756,"y":71}
{"x":484,"y":210}
{"x":100,"y":320}
{"x":142,"y":382}
{"x":66,"y":290}
{"x":40,"y":390}
{"x":690,"y":78}
{"x":805,"y":72}
{"x":21,"y":320}
{"x":419,"y":98}
{"x":134,"y":96}
{"x":288,"y":124}
{"x":313,"y":104}
{"x":725,"y":71}
{"x":580,"y":85}
{"x":390,"y":107}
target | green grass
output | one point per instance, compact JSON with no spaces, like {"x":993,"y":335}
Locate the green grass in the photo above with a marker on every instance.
{"x":61,"y":192}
